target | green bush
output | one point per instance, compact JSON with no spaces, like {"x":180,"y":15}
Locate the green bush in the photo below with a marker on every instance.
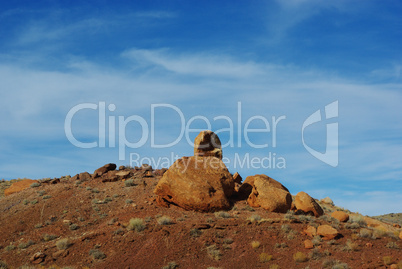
{"x":136,"y":224}
{"x":97,"y":254}
{"x":164,"y":220}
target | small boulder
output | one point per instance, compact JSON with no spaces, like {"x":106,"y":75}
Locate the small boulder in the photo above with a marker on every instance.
{"x":267,"y":193}
{"x":37,"y":258}
{"x":84,"y":176}
{"x":327,"y":200}
{"x":306,"y":204}
{"x":340,"y":215}
{"x":310,"y":231}
{"x":308,"y":244}
{"x":104,"y":169}
{"x":400,"y":235}
{"x":196,"y":183}
{"x":206,"y":144}
{"x":327,"y":232}
{"x":19,"y":186}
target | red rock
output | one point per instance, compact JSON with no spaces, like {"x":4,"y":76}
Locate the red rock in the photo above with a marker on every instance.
{"x":310,"y":231}
{"x":207,"y":143}
{"x":327,"y":232}
{"x":196,"y":183}
{"x":369,"y":245}
{"x":400,"y":235}
{"x":104,"y":169}
{"x":305,"y":203}
{"x":84,"y":176}
{"x":340,"y":215}
{"x":19,"y":186}
{"x":308,"y":244}
{"x":396,"y":225}
{"x":38,"y":257}
{"x":267,"y":193}
{"x":237,"y":178}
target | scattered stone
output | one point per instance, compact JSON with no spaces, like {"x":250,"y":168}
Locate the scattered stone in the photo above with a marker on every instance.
{"x":310,"y":231}
{"x":104,"y":169}
{"x":148,"y":174}
{"x":237,"y":178}
{"x":393,"y":266}
{"x":305,"y":203}
{"x":122,"y":167}
{"x":263,"y":191}
{"x":400,"y":235}
{"x":84,"y":176}
{"x":369,"y":245}
{"x":327,"y":232}
{"x":340,"y":215}
{"x":206,"y":144}
{"x":19,"y":186}
{"x":396,"y":225}
{"x":327,"y":200}
{"x":37,"y":258}
{"x":196,"y":183}
{"x":308,"y":244}
{"x":61,"y":253}
{"x":146,"y":167}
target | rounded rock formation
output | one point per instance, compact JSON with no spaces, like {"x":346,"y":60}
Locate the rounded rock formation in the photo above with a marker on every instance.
{"x":306,"y":204}
{"x":340,"y":215}
{"x":327,"y":232}
{"x":206,"y":144}
{"x":196,"y":183}
{"x":266,"y":192}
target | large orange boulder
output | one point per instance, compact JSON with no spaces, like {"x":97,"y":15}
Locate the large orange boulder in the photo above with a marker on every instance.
{"x":196,"y":183}
{"x":206,"y":144}
{"x":19,"y":186}
{"x":266,"y":192}
{"x":306,"y":204}
{"x":327,"y":232}
{"x":340,"y":215}
{"x":104,"y":169}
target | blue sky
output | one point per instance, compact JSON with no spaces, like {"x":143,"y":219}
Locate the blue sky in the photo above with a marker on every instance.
{"x":274,"y":58}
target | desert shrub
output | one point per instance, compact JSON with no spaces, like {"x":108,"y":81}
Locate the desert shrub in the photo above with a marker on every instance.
{"x":25,"y":202}
{"x":136,"y":224}
{"x":73,"y":227}
{"x":108,"y":199}
{"x":316,"y":240}
{"x":88,"y":188}
{"x":228,"y":241}
{"x":377,"y":233}
{"x":3,"y":265}
{"x":38,"y":226}
{"x":365,"y":233}
{"x":129,"y":201}
{"x":305,"y":218}
{"x":265,"y":257}
{"x":26,"y":245}
{"x":118,"y":232}
{"x":392,"y":245}
{"x":195,"y":232}
{"x":286,"y":228}
{"x":353,"y":225}
{"x":210,"y":220}
{"x":34,"y":202}
{"x":49,"y":237}
{"x":129,"y":183}
{"x":359,"y":219}
{"x":97,"y":254}
{"x":300,"y":257}
{"x":280,"y":245}
{"x":41,"y":192}
{"x":46,"y":197}
{"x":9,"y":248}
{"x":214,"y":253}
{"x":255,"y":244}
{"x":35,"y":185}
{"x":290,"y":215}
{"x":334,"y":264}
{"x":350,"y":246}
{"x":331,"y":242}
{"x":254,"y":218}
{"x":388,"y":260}
{"x":222,"y":214}
{"x":248,"y":208}
{"x":171,"y":265}
{"x":165,"y":220}
{"x":315,"y":254}
{"x":95,"y":190}
{"x":63,"y":243}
